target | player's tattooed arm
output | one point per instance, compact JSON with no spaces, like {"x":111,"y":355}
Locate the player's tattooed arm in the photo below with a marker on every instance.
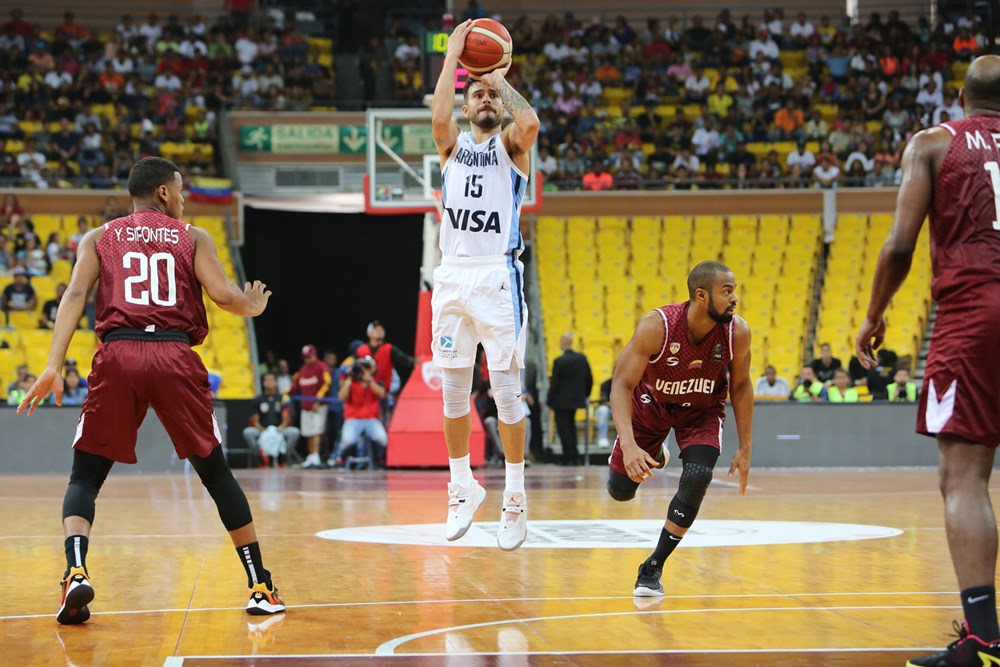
{"x":518,"y":138}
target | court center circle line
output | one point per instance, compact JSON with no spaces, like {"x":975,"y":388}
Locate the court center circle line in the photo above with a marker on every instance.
{"x":389,"y":647}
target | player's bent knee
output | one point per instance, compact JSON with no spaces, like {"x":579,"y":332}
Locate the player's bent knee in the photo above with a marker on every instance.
{"x":231,"y":502}
{"x":694,"y":483}
{"x":621,"y":487}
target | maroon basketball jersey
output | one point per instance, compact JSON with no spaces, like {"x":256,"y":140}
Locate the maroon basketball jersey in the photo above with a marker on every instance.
{"x":147,"y":277}
{"x":686,"y":374}
{"x":965,"y":216}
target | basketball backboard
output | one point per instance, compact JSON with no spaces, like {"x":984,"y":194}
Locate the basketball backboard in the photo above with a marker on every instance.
{"x":404,"y":168}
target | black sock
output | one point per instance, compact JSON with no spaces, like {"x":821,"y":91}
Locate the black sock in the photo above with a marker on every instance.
{"x":668,"y":542}
{"x":980,"y":606}
{"x":250,"y":557}
{"x":76,"y":552}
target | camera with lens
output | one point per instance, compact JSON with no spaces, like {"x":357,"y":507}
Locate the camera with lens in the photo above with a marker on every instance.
{"x":360,"y":366}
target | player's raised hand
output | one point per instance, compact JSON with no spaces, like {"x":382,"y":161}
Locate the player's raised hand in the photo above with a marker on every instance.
{"x":456,"y":42}
{"x":870,"y":338}
{"x":495,"y":78}
{"x":49,"y":381}
{"x":638,"y":463}
{"x":257,"y":294}
{"x":741,"y":462}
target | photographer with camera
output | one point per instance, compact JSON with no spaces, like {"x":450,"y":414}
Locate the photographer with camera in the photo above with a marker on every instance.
{"x":361,"y":395}
{"x":808,"y":389}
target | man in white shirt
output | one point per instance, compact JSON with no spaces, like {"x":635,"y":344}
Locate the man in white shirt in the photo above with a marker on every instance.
{"x":826,"y":173}
{"x":930,"y":96}
{"x":127,"y":29}
{"x":407,"y":52}
{"x":168,"y":81}
{"x":556,"y":52}
{"x":764,"y":44}
{"x":801,"y":31}
{"x":803,"y":157}
{"x":705,"y":139}
{"x":31,"y":160}
{"x":775,"y":25}
{"x":246,"y":49}
{"x":151,"y":30}
{"x":951,"y":107}
{"x":697,"y":85}
{"x":771,"y":385}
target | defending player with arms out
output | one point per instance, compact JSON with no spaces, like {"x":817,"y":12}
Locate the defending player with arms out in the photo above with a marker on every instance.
{"x":952,"y":173}
{"x":151,"y":268}
{"x":675,"y":373}
{"x":478,"y":288}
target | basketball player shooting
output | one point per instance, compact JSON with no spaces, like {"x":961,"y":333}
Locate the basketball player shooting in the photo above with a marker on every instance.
{"x":675,"y":373}
{"x":951,"y":173}
{"x":478,"y":288}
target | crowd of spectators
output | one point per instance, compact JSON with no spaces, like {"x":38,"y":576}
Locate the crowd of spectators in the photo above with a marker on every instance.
{"x":695,"y":105}
{"x":78,"y":108}
{"x":826,"y":380}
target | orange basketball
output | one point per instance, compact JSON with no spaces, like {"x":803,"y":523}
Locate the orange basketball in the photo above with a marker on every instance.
{"x":487,"y":47}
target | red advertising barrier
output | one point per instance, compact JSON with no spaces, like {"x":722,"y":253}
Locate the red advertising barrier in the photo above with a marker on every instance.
{"x":416,"y":433}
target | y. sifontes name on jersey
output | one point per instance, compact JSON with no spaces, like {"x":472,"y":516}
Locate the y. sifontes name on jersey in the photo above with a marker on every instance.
{"x":147,"y":235}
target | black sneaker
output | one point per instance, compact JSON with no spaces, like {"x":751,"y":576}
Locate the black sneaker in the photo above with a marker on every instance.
{"x":968,"y":651}
{"x":647,"y":585}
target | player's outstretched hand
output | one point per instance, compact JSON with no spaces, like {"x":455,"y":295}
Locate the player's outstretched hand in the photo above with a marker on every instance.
{"x":741,"y":462}
{"x":638,"y":463}
{"x":870,"y":338}
{"x":257,"y":294}
{"x":456,"y":42}
{"x":49,"y":381}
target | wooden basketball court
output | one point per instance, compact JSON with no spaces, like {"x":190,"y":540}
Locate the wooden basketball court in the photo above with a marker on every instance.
{"x":171,"y":592}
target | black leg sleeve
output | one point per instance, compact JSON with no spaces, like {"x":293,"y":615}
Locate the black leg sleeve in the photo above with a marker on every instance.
{"x":85,"y":482}
{"x":234,"y":510}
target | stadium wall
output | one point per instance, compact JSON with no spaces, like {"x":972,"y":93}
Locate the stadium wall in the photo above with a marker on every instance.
{"x":42,"y":443}
{"x":785,"y":435}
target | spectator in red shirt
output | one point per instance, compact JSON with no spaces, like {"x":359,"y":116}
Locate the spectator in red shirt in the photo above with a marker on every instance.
{"x":21,"y":27}
{"x":311,"y":382}
{"x":74,"y":31}
{"x":387,"y":357}
{"x":362,"y":394}
{"x":597,"y":179}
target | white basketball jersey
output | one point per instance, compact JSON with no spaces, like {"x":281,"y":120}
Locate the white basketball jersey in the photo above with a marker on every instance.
{"x":481,"y":190}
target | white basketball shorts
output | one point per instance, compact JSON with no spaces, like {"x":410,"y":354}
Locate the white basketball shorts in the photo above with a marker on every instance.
{"x":479,"y":300}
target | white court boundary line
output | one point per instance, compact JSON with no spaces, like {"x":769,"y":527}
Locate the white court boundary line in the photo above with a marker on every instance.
{"x":389,"y":647}
{"x":178,"y":661}
{"x":389,"y":603}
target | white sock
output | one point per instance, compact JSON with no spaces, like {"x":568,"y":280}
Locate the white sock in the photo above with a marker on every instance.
{"x":514,"y":477}
{"x":461,"y":471}
{"x":313,"y":457}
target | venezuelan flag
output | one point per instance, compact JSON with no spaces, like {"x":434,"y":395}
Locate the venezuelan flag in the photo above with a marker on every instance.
{"x":213,"y":190}
{"x":695,"y":364}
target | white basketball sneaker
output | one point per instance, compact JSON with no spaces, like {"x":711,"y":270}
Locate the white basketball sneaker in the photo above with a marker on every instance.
{"x":513,"y":521}
{"x":462,"y":505}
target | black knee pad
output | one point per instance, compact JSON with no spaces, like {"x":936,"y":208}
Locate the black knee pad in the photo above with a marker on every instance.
{"x":234,"y":510}
{"x":621,"y":487}
{"x":695,"y":479}
{"x":85,"y":482}
{"x":696,"y":476}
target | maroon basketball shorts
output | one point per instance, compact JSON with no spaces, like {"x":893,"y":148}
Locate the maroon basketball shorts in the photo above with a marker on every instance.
{"x":652,"y":422}
{"x":961,"y":391}
{"x":131,"y":376}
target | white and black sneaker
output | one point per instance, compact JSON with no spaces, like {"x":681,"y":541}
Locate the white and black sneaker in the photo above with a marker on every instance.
{"x":647,"y":585}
